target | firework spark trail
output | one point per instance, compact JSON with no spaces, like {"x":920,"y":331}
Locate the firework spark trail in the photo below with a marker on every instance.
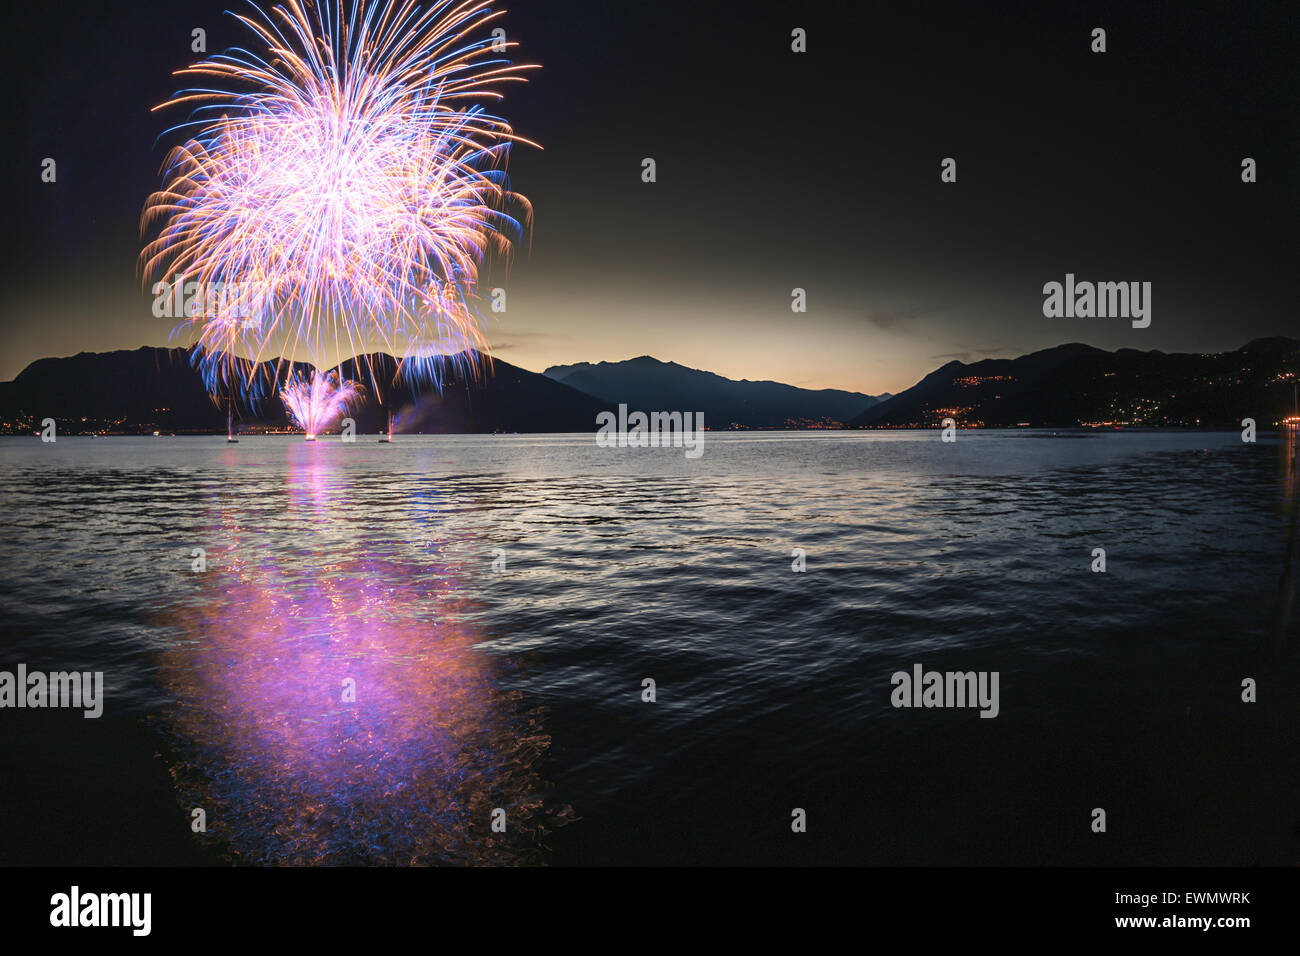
{"x":317,"y":403}
{"x":352,"y":191}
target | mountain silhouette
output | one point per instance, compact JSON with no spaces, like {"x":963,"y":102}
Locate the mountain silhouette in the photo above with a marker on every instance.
{"x":1073,"y":385}
{"x":647,"y":384}
{"x":158,"y":389}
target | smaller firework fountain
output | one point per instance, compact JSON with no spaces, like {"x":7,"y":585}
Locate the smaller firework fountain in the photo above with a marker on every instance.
{"x":316,"y":404}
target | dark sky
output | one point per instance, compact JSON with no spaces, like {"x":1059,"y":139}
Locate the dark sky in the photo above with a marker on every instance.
{"x":775,"y":170}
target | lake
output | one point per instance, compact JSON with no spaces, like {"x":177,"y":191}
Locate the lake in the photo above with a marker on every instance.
{"x":363,"y":653}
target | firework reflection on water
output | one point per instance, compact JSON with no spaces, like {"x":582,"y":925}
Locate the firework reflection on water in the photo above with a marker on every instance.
{"x":265,"y":738}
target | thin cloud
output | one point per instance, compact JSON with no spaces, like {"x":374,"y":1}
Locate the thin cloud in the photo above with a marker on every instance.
{"x":890,"y":318}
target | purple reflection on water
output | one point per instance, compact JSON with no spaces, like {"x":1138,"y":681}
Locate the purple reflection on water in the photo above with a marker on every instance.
{"x":265,"y":735}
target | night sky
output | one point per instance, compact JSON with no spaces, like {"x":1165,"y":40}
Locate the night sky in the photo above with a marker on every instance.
{"x":775,"y":170}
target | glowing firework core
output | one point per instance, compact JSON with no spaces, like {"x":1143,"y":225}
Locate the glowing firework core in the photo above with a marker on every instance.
{"x":316,"y":405}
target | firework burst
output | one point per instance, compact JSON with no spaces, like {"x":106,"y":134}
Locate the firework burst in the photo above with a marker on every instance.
{"x":345,"y":177}
{"x":317,"y":403}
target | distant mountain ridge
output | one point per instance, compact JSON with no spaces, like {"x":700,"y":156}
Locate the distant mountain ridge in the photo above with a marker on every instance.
{"x":1067,"y":386}
{"x":1078,"y":385}
{"x":158,"y":389}
{"x":648,"y":384}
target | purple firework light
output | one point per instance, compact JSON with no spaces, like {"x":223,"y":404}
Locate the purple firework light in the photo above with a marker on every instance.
{"x":316,"y":403}
{"x":344,"y":175}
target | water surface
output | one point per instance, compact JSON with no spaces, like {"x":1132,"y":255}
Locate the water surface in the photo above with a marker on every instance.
{"x":479,"y":687}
